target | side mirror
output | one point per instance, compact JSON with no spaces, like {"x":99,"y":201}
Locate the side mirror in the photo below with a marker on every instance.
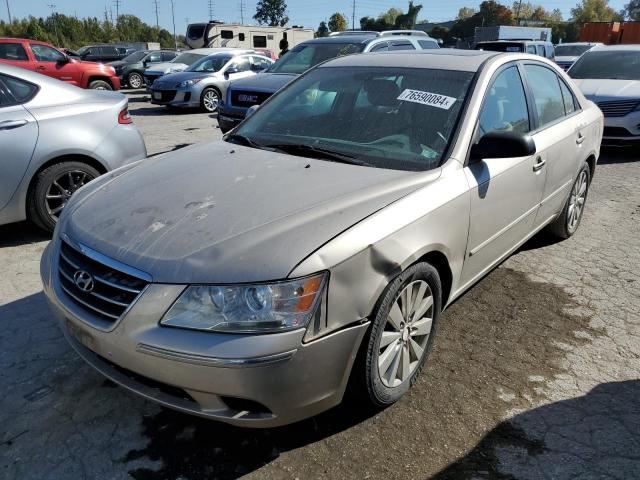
{"x":502,"y":145}
{"x":231,"y":70}
{"x":251,"y":110}
{"x":64,"y":59}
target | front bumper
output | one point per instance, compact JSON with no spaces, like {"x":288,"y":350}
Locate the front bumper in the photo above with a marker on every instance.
{"x":622,"y":130}
{"x":246,"y":380}
{"x":181,"y":97}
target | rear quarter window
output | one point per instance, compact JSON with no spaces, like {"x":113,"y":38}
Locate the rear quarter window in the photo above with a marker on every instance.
{"x":20,"y":90}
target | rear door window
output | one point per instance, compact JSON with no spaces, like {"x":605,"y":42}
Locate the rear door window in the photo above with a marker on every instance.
{"x":426,"y":44}
{"x":540,"y":50}
{"x":531,"y":49}
{"x":380,"y":47}
{"x":13,"y":52}
{"x":545,"y":87}
{"x":168,"y":56}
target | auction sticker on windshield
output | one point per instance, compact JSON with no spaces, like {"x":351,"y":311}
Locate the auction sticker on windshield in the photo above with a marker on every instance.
{"x":427,"y":98}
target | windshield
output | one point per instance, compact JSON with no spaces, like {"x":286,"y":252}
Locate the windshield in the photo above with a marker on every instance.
{"x":618,"y":65}
{"x":187,"y":58}
{"x":303,"y":57}
{"x":397,"y":118}
{"x":571,"y":50}
{"x":501,"y":46}
{"x":210,"y":64}
{"x":134,"y":57}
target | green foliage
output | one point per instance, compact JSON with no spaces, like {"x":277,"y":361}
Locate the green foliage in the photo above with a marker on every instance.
{"x":337,"y":23}
{"x":323,"y":30}
{"x":272,"y":13}
{"x":594,"y":11}
{"x":71,"y":32}
{"x":465,"y":12}
{"x":490,"y":14}
{"x":392,"y":19}
{"x":632,"y":10}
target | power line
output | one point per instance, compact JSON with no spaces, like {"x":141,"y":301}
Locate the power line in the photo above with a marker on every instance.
{"x":9,"y":12}
{"x":155,"y":2}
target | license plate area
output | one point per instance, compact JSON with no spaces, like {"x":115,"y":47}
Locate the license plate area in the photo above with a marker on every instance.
{"x":82,"y":336}
{"x":157,"y":95}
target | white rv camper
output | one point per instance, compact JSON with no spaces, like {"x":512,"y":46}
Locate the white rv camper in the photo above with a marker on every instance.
{"x":234,"y":35}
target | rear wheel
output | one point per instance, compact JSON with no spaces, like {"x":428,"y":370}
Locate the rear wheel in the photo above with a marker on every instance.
{"x":209,"y":100}
{"x":100,"y":85}
{"x":568,"y":221}
{"x":402,"y":333}
{"x":135,"y":80}
{"x":53,"y":188}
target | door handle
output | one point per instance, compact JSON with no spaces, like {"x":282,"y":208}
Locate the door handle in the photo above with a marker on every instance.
{"x":539,"y":164}
{"x":580,"y":138}
{"x":39,"y":67}
{"x":11,"y":124}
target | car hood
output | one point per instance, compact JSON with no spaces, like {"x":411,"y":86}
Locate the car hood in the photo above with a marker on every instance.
{"x":224,"y":213}
{"x":264,"y":82}
{"x":167,"y":67}
{"x":117,"y":63}
{"x":599,"y":90}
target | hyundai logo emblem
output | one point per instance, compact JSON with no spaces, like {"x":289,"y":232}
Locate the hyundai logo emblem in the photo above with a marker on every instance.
{"x":83,"y":280}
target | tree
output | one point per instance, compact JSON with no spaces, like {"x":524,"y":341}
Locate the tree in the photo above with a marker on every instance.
{"x":323,"y":30}
{"x":392,"y":19}
{"x":272,"y":13}
{"x":465,"y":12}
{"x":490,"y":14}
{"x":337,"y":23}
{"x":632,"y":10}
{"x":409,"y":19}
{"x":594,"y":11}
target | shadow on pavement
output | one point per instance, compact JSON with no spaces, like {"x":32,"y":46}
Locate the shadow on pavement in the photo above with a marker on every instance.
{"x":593,"y":436}
{"x":610,"y":155}
{"x":21,"y":233}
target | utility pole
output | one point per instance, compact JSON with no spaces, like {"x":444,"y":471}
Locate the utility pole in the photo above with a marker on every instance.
{"x":173,"y":18}
{"x":155,"y":2}
{"x":518,"y":13}
{"x":241,"y":12}
{"x":53,"y":19}
{"x":353,"y":16}
{"x":117,"y":4}
{"x":9,"y":12}
{"x":210,"y":2}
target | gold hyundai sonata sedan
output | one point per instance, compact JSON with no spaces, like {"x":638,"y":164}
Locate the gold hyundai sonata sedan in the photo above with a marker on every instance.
{"x":254,"y":279}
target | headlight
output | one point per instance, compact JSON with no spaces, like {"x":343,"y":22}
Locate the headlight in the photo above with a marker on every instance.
{"x":188,"y":83}
{"x":259,"y":308}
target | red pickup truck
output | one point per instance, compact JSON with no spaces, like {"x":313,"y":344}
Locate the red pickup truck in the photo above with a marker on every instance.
{"x":46,"y":59}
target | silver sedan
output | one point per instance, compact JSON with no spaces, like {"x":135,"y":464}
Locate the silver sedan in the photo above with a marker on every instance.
{"x":55,"y":138}
{"x":253,"y":280}
{"x":204,"y":83}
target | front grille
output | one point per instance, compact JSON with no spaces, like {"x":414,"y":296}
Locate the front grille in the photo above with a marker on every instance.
{"x":618,"y":108}
{"x":165,"y":95}
{"x":240,"y":98}
{"x":112,"y":291}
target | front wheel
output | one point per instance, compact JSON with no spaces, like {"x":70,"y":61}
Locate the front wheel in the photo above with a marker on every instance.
{"x":100,"y":85}
{"x":135,"y":80}
{"x":53,"y":188}
{"x":402,"y":333}
{"x":569,"y":219}
{"x":209,"y":100}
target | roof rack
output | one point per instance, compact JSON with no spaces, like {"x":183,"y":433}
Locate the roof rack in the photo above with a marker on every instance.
{"x":353,"y":32}
{"x":414,"y":33}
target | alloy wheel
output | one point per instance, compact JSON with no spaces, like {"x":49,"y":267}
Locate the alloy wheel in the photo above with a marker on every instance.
{"x":210,"y":100}
{"x":62,"y":188}
{"x":576,"y":201}
{"x":135,"y":80}
{"x":406,"y":332}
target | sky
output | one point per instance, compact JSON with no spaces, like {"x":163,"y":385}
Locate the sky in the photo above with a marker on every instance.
{"x":308,"y":13}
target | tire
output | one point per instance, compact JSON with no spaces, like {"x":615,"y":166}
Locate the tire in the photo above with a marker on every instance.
{"x":393,"y":363}
{"x":135,"y":80}
{"x":69,"y":176}
{"x":209,"y":100}
{"x":566,"y":224}
{"x":100,"y":85}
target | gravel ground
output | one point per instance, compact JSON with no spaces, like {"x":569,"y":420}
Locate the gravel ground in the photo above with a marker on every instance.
{"x":535,"y":372}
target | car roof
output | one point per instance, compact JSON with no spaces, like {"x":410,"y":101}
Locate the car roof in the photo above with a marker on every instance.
{"x":211,"y":51}
{"x":515,"y":40}
{"x":577,"y":43}
{"x":440,"y":59}
{"x":628,"y":47}
{"x":344,"y":39}
{"x":13,"y":39}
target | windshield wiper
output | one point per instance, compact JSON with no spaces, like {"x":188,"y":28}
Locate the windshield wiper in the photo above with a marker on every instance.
{"x":243,"y":140}
{"x":317,"y":152}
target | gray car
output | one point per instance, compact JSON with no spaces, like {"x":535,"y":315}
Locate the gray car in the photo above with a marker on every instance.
{"x":610,"y":77}
{"x":55,"y":138}
{"x":204,"y":83}
{"x":252,"y":280}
